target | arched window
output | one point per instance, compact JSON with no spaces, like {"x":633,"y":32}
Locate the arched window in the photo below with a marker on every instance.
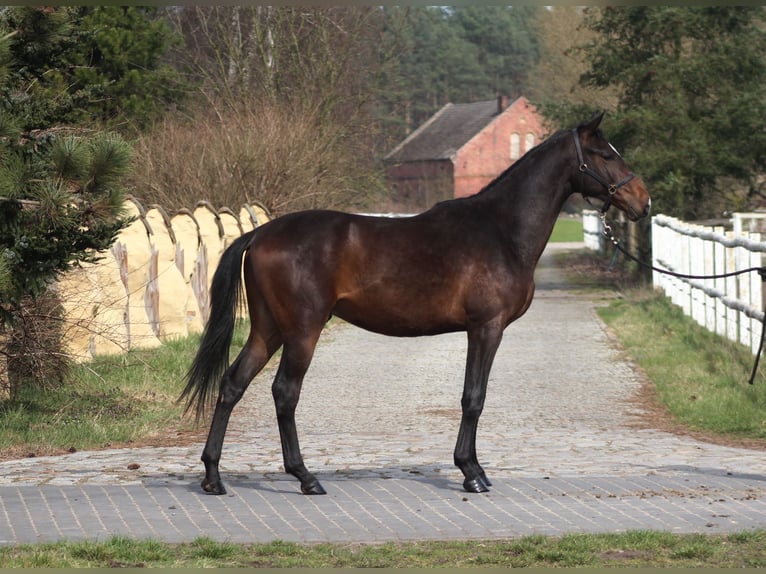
{"x":515,"y":146}
{"x":530,"y":142}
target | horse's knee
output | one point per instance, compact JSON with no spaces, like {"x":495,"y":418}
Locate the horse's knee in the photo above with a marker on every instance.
{"x":472,"y":411}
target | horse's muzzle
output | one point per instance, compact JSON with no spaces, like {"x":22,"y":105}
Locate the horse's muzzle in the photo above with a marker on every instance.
{"x":634,"y":200}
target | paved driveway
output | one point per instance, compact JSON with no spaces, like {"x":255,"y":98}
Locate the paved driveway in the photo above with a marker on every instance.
{"x":378,"y":420}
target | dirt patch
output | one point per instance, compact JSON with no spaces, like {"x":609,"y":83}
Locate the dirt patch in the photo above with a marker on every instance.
{"x":170,"y":439}
{"x":624,"y":555}
{"x":450,"y":413}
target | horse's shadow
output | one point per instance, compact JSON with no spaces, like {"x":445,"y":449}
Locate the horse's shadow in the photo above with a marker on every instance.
{"x":447,"y":479}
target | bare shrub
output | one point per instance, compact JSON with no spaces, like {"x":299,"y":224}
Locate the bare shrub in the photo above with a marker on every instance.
{"x":32,"y":348}
{"x":288,"y":158}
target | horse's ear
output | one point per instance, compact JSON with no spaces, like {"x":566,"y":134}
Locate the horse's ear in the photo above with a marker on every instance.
{"x":593,"y":123}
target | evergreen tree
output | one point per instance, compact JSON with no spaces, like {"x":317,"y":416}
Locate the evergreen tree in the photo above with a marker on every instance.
{"x":89,"y":65}
{"x":452,"y":54}
{"x":126,"y":75}
{"x":440,"y":64}
{"x":507,"y":44}
{"x":60,"y":187}
{"x":691,"y":87}
{"x":59,"y":204}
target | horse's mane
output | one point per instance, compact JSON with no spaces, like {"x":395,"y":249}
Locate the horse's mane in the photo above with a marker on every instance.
{"x":524,"y":160}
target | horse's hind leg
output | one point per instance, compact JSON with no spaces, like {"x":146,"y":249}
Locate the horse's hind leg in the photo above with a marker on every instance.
{"x":296,"y":357}
{"x":235,"y":381}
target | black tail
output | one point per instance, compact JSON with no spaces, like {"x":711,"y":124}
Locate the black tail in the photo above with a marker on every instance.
{"x":212,"y":357}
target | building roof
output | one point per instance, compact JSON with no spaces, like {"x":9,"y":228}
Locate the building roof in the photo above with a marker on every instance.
{"x":444,"y":133}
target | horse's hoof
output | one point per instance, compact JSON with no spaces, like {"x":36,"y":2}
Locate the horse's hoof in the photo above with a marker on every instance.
{"x":312,"y":488}
{"x":213,"y":487}
{"x":484,"y":479}
{"x":475,"y":485}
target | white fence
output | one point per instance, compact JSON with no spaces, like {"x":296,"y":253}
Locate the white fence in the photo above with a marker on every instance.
{"x":732,"y":306}
{"x":591,"y":229}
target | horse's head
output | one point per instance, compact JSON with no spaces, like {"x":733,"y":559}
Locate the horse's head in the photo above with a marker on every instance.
{"x":604,"y":175}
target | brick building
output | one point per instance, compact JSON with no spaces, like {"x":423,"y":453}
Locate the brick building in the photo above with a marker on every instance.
{"x":460,"y":149}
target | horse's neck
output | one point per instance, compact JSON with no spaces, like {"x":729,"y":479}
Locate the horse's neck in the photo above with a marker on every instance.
{"x":528,"y":205}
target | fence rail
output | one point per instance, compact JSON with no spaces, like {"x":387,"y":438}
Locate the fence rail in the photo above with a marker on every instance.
{"x":731,"y":306}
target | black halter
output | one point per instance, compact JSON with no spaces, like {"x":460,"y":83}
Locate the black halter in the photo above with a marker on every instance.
{"x":610,"y":187}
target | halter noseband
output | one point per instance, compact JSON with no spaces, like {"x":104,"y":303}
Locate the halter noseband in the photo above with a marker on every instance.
{"x":610,"y":187}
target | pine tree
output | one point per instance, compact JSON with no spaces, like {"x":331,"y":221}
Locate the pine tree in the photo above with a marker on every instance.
{"x":691,"y":87}
{"x":60,"y":204}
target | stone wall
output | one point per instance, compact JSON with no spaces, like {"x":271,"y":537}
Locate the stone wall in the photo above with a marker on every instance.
{"x":153,"y":283}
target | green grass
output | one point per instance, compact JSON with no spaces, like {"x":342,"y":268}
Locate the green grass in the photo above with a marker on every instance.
{"x":566,"y":230}
{"x":111,"y":400}
{"x":635,"y":548}
{"x":700,"y":377}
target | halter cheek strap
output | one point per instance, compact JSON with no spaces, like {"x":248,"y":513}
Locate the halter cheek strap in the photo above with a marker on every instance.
{"x":611,"y":188}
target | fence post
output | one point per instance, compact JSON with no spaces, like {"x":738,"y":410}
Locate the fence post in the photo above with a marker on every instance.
{"x":686,"y":268}
{"x":709,"y":269}
{"x":732,"y":316}
{"x":756,"y":295}
{"x":695,"y":264}
{"x":719,"y":267}
{"x":762,"y":277}
{"x":743,"y":292}
{"x":657,"y":232}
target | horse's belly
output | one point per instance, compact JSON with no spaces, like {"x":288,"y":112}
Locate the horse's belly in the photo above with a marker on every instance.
{"x":398,"y":320}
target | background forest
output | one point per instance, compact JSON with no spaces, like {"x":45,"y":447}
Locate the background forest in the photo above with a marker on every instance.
{"x":296,"y":106}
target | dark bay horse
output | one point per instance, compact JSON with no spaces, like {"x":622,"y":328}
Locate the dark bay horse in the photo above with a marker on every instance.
{"x":464,"y":265}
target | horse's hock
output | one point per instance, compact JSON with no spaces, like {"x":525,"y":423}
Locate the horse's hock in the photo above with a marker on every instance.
{"x":153,"y":283}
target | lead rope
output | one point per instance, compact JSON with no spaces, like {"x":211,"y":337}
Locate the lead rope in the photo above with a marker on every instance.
{"x":607,"y":230}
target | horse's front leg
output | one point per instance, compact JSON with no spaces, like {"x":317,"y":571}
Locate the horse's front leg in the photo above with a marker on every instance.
{"x":482,"y":346}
